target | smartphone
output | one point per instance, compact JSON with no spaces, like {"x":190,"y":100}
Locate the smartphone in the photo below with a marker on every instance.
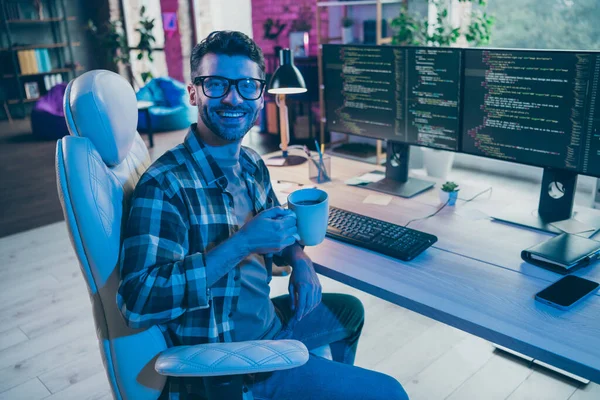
{"x":567,"y":292}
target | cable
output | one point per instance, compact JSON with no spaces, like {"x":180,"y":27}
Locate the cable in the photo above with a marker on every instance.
{"x":446,"y":203}
{"x":479,"y":194}
{"x":429,"y":216}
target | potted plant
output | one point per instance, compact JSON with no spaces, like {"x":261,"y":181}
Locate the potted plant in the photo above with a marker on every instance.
{"x":449,"y":193}
{"x":347,"y":36}
{"x":299,"y":31}
{"x":438,"y":163}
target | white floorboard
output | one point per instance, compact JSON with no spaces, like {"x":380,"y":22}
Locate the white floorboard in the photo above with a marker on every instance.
{"x":11,"y":337}
{"x":545,"y":385}
{"x":485,"y":383}
{"x":33,"y":389}
{"x":448,"y":372}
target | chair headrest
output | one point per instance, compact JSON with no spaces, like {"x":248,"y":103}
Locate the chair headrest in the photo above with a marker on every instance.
{"x":101,"y":106}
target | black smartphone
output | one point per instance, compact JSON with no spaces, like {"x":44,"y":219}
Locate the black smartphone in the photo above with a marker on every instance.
{"x":567,"y":292}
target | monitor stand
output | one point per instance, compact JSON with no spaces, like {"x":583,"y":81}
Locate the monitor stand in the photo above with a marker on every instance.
{"x":556,"y":203}
{"x":396,"y":181}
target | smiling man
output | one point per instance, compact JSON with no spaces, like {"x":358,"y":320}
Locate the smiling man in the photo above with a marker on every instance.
{"x":202,"y":219}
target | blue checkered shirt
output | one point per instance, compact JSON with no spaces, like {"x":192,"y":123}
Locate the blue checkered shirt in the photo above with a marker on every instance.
{"x":180,"y":210}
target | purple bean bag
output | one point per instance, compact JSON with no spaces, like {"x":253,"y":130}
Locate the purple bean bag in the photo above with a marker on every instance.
{"x":48,"y":117}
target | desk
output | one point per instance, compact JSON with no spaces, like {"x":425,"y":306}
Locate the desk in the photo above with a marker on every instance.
{"x":473,"y":278}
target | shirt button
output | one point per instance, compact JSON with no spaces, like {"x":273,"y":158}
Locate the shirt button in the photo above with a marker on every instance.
{"x":230,"y":315}
{"x":236,"y":278}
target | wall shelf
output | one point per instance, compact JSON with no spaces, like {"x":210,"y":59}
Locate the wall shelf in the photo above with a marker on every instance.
{"x":356,"y":3}
{"x":41,"y":46}
{"x":39,"y":21}
{"x":17,"y":101}
{"x":54,"y":71}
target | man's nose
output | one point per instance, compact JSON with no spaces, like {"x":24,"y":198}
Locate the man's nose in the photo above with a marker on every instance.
{"x":233,"y":97}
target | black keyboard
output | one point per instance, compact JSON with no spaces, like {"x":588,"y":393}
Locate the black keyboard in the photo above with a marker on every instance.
{"x":380,"y":236}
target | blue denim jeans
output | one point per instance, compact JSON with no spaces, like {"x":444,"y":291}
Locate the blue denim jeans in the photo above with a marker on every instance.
{"x":337,"y":322}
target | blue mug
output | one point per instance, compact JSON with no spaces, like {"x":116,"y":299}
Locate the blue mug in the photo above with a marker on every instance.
{"x":311,"y":207}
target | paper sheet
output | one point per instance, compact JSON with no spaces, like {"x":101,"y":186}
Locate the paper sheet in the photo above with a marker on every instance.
{"x":372,"y":177}
{"x":572,"y":226}
{"x":369,"y":177}
{"x":275,"y":161}
{"x":379,"y":199}
{"x":472,"y":214}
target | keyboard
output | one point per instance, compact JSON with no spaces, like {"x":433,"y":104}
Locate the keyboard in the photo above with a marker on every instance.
{"x":380,"y":236}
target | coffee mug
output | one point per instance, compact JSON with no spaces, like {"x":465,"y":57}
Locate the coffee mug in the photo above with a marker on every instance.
{"x":311,"y":207}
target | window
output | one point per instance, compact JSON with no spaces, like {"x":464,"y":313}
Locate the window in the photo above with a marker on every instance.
{"x":548,"y":24}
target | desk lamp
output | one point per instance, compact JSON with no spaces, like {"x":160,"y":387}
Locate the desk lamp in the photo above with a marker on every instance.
{"x":287,"y":79}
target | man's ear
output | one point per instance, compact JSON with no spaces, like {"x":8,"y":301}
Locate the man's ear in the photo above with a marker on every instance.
{"x":262,"y":102}
{"x":192,"y":94}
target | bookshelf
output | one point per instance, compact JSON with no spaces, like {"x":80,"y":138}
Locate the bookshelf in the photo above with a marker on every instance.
{"x":36,"y":52}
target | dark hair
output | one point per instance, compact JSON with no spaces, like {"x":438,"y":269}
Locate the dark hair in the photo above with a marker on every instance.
{"x":231,"y":43}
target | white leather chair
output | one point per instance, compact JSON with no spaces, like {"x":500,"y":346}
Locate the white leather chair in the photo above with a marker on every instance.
{"x":97,"y":168}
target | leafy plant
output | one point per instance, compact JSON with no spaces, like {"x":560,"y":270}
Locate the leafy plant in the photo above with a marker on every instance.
{"x":112,"y":38}
{"x":415,"y":30}
{"x":147,"y":40}
{"x":303,"y":22}
{"x":347,"y":22}
{"x":269,"y":24}
{"x":450,"y":186}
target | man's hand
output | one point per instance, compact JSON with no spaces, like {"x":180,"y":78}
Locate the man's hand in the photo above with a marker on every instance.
{"x":304,"y":288}
{"x":270,"y":231}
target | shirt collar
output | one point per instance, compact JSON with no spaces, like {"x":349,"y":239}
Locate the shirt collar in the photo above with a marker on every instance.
{"x":209,"y":169}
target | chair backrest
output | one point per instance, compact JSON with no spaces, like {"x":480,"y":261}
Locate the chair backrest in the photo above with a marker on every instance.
{"x":97,"y":168}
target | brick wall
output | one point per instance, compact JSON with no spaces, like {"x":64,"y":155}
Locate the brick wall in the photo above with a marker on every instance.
{"x":287,"y":12}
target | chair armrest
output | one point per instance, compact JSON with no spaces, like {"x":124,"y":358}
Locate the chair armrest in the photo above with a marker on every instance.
{"x":216,"y":359}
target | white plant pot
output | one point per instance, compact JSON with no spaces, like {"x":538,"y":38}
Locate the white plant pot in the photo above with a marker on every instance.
{"x":347,"y":35}
{"x":438,"y":163}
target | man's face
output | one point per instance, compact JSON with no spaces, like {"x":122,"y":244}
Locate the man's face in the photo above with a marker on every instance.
{"x":231,"y":116}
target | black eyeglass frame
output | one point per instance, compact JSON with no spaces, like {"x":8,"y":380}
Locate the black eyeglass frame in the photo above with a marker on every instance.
{"x":199,"y":81}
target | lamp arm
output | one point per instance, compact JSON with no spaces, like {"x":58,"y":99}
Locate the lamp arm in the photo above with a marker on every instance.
{"x":284,"y":127}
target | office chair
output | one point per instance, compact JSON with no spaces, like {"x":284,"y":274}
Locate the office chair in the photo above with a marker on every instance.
{"x":97,"y":168}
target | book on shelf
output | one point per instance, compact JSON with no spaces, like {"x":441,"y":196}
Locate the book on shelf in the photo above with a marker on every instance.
{"x":12,"y":10}
{"x":34,"y":61}
{"x":52,"y":80}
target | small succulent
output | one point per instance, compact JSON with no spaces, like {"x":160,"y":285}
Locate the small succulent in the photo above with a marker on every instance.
{"x":347,"y":22}
{"x":450,"y":187}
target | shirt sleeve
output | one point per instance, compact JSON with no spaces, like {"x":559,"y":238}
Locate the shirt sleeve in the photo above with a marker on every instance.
{"x":160,"y":280}
{"x":278,"y":259}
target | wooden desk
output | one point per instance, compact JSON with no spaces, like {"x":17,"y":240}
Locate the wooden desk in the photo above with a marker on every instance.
{"x":473,"y":278}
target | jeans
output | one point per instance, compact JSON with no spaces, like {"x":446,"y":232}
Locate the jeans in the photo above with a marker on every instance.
{"x":337,"y":321}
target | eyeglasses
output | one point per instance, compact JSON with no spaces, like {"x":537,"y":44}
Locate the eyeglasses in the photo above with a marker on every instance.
{"x":215,"y":87}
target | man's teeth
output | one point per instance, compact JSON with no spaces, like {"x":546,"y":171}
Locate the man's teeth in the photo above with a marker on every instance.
{"x":232,"y":114}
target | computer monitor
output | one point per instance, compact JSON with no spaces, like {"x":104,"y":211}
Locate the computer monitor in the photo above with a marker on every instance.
{"x":404,"y":95}
{"x":538,"y":108}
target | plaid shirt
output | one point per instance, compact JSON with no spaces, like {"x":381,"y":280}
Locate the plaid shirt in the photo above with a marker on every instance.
{"x":180,"y":210}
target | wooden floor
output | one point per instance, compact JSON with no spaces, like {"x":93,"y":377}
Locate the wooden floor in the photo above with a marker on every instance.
{"x":48,"y":346}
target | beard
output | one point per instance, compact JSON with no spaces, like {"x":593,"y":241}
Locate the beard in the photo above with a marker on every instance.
{"x":230,"y":129}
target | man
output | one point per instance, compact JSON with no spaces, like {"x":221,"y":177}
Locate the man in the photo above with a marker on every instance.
{"x":202,"y":219}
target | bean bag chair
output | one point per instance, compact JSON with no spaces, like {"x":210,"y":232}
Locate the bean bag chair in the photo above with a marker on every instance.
{"x":48,"y":117}
{"x":171,"y":111}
